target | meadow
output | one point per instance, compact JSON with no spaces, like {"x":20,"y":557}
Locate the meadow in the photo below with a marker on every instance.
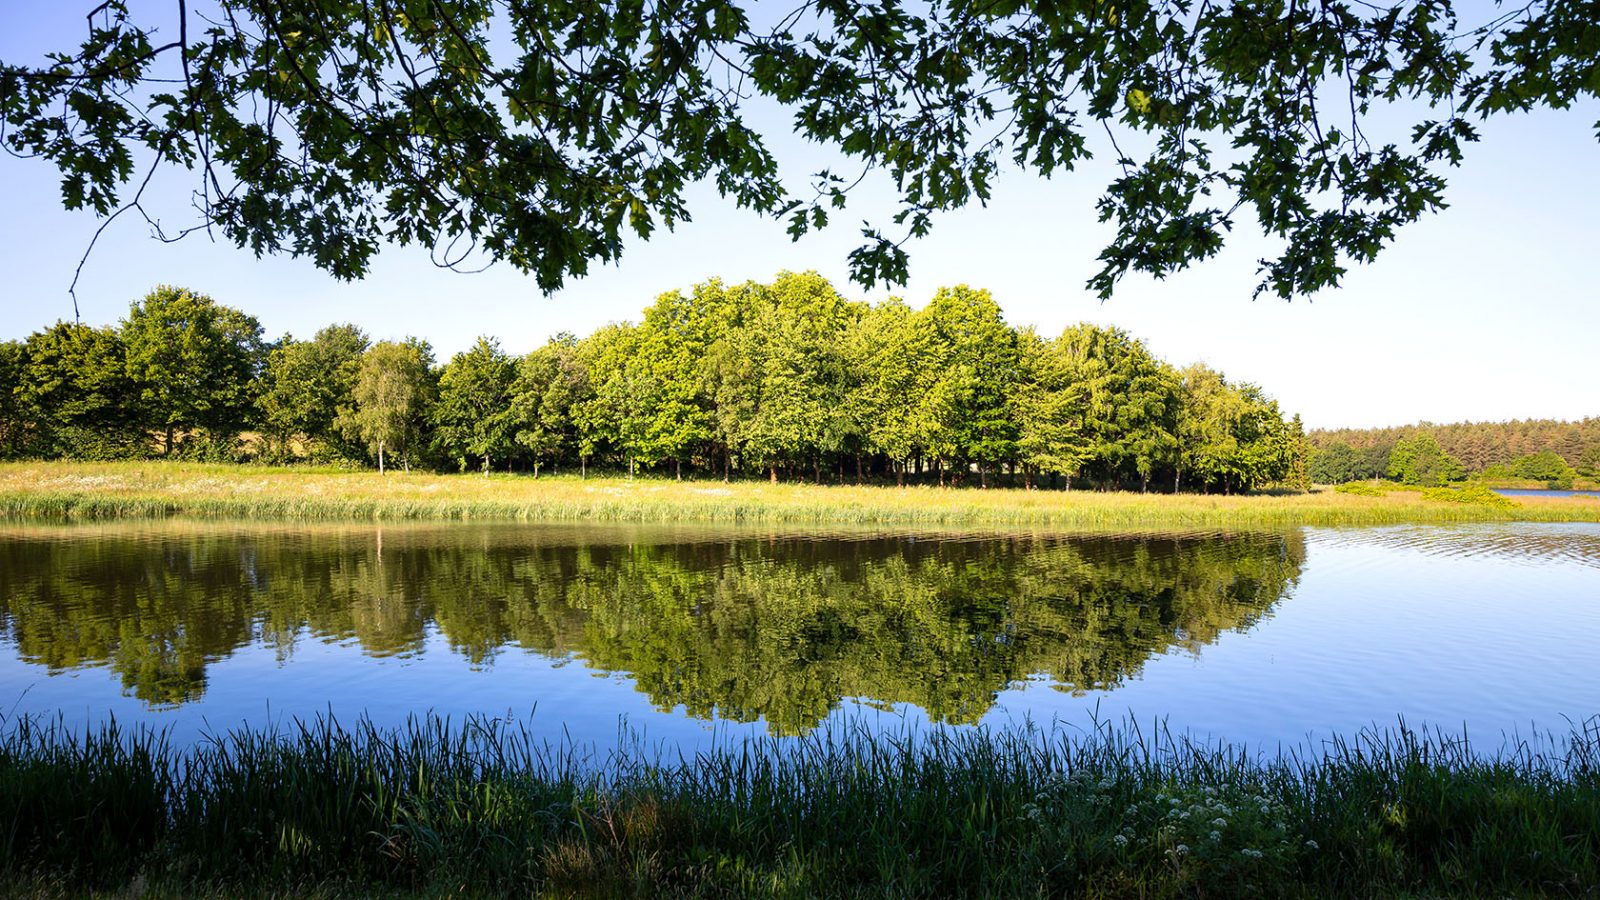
{"x":84,"y":490}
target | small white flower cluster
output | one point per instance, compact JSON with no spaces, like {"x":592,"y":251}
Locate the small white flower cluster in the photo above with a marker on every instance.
{"x":1214,"y":831}
{"x":1205,"y":832}
{"x":1078,"y":787}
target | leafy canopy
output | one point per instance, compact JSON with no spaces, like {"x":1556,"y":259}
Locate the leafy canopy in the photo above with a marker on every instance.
{"x":544,"y":133}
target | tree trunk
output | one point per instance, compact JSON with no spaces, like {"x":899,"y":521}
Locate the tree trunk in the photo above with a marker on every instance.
{"x":536,"y":470}
{"x":816,"y":469}
{"x":983,"y":476}
{"x":678,"y":463}
{"x":727,"y":465}
{"x":631,"y":467}
{"x":858,"y":468}
{"x":1144,"y":483}
{"x":380,"y":455}
{"x":1069,"y":482}
{"x":772,"y":473}
{"x":900,"y":474}
{"x":1177,"y":480}
{"x":168,"y":450}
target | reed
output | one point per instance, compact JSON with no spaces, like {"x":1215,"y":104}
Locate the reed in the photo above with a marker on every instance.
{"x":71,"y":490}
{"x":489,"y":808}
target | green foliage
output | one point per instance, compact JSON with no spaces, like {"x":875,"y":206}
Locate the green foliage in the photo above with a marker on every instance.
{"x":75,"y":397}
{"x":1421,"y":461}
{"x":1234,"y":435}
{"x":473,"y":416}
{"x":1361,"y":489}
{"x":1471,"y":493}
{"x":548,"y":135}
{"x":977,"y":373}
{"x":1546,"y":466}
{"x":194,"y":365}
{"x":15,"y":423}
{"x":755,"y":378}
{"x":1483,"y":445}
{"x":392,"y":394}
{"x":1131,"y":400}
{"x":550,"y":384}
{"x":1589,"y":462}
{"x":308,"y":385}
{"x":1051,"y":406}
{"x":1339,"y":463}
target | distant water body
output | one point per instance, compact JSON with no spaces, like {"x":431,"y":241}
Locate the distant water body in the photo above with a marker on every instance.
{"x":1541,"y":492}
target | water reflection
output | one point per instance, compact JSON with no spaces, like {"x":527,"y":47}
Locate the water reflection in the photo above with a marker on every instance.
{"x":748,"y":625}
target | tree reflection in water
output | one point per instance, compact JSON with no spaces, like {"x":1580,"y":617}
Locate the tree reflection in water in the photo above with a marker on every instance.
{"x":747,"y":624}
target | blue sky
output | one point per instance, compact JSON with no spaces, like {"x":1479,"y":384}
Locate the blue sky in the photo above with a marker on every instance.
{"x":1488,"y":311}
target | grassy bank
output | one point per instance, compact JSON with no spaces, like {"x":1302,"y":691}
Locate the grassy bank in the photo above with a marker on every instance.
{"x":143,"y":489}
{"x":486,"y":809}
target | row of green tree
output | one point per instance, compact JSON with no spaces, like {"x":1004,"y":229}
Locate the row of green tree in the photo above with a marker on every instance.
{"x":746,"y":627}
{"x":1555,"y":453}
{"x":1481,"y":445}
{"x":783,"y":378}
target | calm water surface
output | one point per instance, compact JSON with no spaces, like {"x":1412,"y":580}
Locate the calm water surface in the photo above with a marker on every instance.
{"x":690,"y":635}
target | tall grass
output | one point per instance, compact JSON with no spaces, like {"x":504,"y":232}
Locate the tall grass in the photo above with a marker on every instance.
{"x":117,"y":490}
{"x":488,"y":808}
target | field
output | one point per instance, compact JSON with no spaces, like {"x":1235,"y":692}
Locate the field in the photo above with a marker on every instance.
{"x":65,"y":490}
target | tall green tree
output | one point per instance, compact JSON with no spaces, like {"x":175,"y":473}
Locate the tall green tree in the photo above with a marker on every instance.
{"x":195,"y":365}
{"x":977,"y":354}
{"x":794,"y":339}
{"x":674,"y":343}
{"x":75,"y":391}
{"x":1546,"y":466}
{"x":308,"y":384}
{"x":890,"y":352}
{"x":1131,"y":401}
{"x":1051,"y":403}
{"x":1338,"y":463}
{"x":616,"y":416}
{"x":473,"y":416}
{"x":1419,"y":459}
{"x":550,"y":383}
{"x":15,"y":423}
{"x":391,"y":398}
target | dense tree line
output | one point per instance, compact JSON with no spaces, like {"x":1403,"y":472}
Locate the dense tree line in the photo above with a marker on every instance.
{"x":787,"y":379}
{"x":1533,"y":449}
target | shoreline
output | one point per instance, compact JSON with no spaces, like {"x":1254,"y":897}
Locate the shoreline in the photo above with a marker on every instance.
{"x":58,"y":491}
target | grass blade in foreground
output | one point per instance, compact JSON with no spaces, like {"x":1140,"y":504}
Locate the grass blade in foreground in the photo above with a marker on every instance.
{"x":487,"y":808}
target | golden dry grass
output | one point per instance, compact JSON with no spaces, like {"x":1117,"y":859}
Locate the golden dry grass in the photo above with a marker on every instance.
{"x":135,"y":489}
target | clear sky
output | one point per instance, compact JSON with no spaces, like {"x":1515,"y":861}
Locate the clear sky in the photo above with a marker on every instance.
{"x":1488,"y":311}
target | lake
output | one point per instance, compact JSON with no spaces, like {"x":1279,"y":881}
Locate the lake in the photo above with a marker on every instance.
{"x":689,"y":635}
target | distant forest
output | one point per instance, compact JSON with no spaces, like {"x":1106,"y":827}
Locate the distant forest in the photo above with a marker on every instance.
{"x":1531,"y":449}
{"x":783,"y":380}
